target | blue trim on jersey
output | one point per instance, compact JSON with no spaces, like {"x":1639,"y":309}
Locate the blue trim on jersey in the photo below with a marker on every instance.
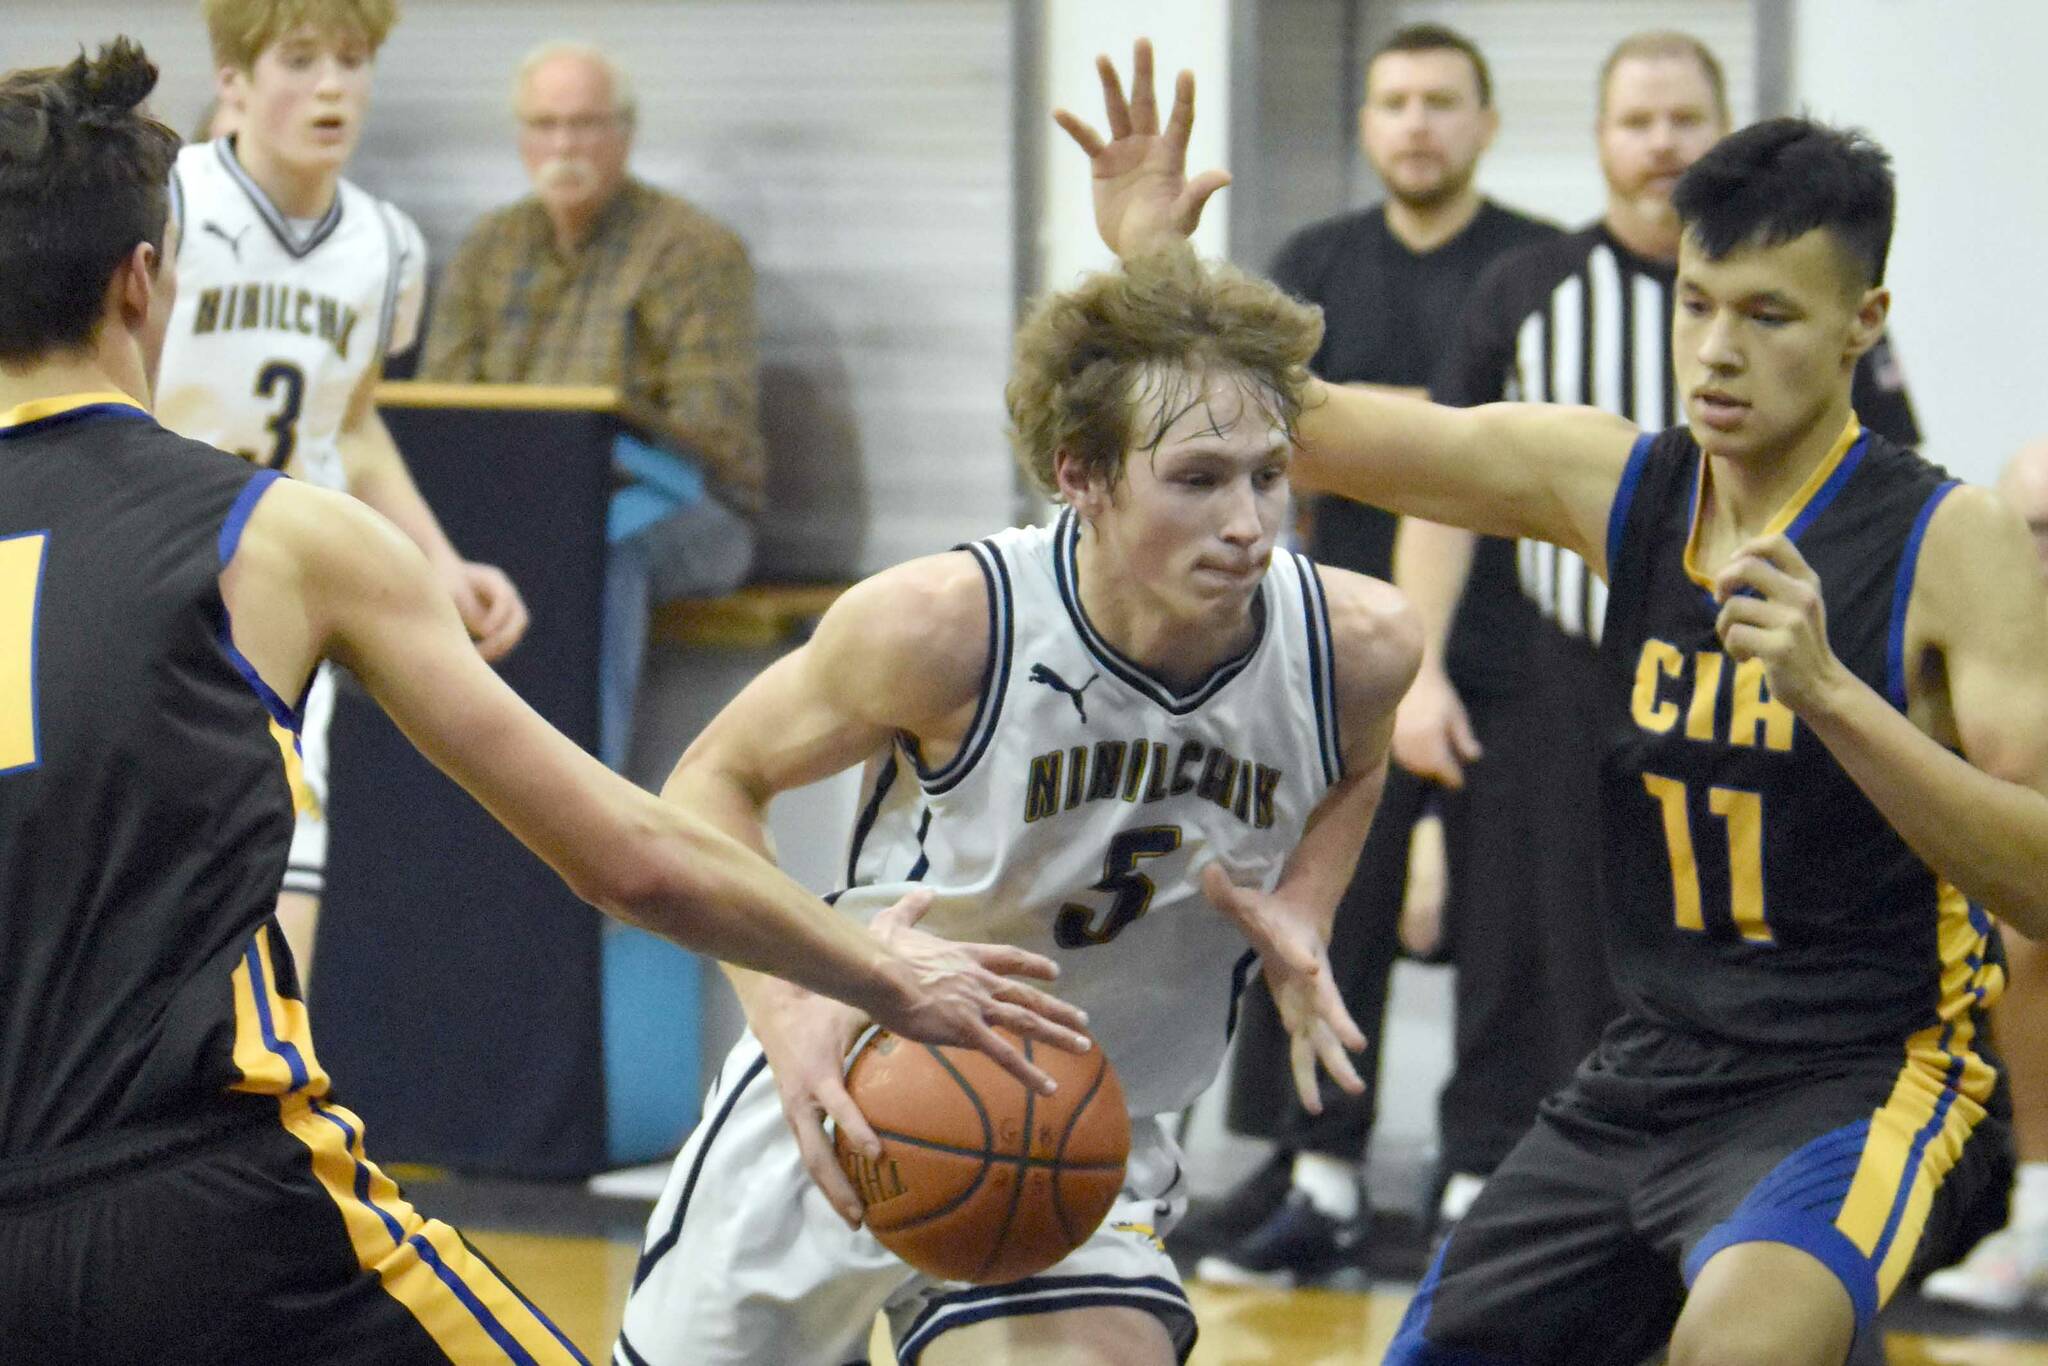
{"x":88,"y":411}
{"x":1828,"y":491}
{"x":865,"y":826}
{"x":661,"y":1246}
{"x":1902,"y":597}
{"x":1951,"y":1079}
{"x":288,"y":1051}
{"x":625,"y":1349}
{"x":1817,"y":1237}
{"x":1240,"y":977}
{"x":237,"y":520}
{"x":35,"y":607}
{"x":497,"y":1331}
{"x":1066,"y":573}
{"x":361,"y":1187}
{"x":292,"y":718}
{"x":924,"y":855}
{"x":1797,"y":1205}
{"x":1625,"y":496}
{"x":1048,"y":1294}
{"x":995,"y":676}
{"x":1322,"y":668}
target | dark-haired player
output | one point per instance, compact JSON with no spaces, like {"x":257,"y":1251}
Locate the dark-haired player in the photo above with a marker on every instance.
{"x":175,"y":1182}
{"x":1827,"y":732}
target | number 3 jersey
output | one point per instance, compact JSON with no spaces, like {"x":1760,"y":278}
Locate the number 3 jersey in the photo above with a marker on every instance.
{"x":1757,"y":895}
{"x":1087,"y":796}
{"x":276,"y":323}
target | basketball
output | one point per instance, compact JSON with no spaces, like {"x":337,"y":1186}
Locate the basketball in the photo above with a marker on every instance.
{"x":980,"y":1178}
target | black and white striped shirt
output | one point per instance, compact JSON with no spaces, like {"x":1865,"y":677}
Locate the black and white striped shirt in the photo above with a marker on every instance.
{"x":1581,"y":319}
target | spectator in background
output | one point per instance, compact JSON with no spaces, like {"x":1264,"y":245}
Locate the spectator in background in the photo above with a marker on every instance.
{"x":1391,"y":280}
{"x":1584,"y":318}
{"x":598,"y":278}
{"x":2009,"y":1270}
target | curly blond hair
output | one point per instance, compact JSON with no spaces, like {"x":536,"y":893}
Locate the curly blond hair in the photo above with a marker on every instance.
{"x":1088,"y":359}
{"x":240,"y":29}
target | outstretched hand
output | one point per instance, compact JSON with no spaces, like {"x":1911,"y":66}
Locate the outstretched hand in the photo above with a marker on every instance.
{"x":1296,"y":963}
{"x":959,"y":993}
{"x":1144,"y":200}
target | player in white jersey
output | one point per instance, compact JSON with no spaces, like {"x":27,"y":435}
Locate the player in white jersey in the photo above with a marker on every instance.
{"x":1138,"y":741}
{"x":295,"y":287}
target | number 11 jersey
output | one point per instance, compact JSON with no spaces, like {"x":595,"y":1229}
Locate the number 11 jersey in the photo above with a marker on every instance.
{"x":277,"y":322}
{"x":1756,"y":895}
{"x":1087,"y":796}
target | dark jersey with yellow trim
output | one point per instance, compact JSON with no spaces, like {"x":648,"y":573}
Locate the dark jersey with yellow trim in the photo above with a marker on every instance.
{"x":144,"y":813}
{"x":1756,"y":895}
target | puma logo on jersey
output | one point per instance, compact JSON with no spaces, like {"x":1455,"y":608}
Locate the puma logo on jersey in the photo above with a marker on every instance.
{"x":1041,"y":674}
{"x":275,"y":308}
{"x":234,"y":242}
{"x":1148,"y":771}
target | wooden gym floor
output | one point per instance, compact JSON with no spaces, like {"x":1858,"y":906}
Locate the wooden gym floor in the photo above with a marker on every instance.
{"x":574,"y":1255}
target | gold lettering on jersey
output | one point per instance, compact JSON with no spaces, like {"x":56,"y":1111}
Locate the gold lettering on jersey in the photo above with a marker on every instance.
{"x":1042,"y":791}
{"x":1657,"y":662}
{"x":275,"y":308}
{"x":1107,"y":771}
{"x":1706,"y":690}
{"x":1756,"y":710}
{"x":1145,"y":771}
{"x":1755,"y":718}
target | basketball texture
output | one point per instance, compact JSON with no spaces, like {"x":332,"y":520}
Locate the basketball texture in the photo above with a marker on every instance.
{"x":980,"y":1178}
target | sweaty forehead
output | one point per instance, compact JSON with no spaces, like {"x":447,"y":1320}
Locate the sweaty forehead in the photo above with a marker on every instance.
{"x":1211,"y":410}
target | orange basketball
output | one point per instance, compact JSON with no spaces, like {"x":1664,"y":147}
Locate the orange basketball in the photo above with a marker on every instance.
{"x":981,"y":1179}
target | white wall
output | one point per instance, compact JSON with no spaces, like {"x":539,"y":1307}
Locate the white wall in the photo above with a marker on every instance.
{"x":1190,"y":34}
{"x":1955,"y":93}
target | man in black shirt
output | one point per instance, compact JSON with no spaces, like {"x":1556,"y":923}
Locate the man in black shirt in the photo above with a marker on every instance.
{"x":1581,"y":318}
{"x":1391,"y":280}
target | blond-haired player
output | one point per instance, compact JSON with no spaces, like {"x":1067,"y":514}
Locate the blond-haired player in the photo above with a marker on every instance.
{"x":297,"y":285}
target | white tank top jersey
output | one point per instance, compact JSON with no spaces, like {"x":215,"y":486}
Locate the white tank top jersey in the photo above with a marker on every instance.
{"x":276,"y":323}
{"x":1087,"y":796}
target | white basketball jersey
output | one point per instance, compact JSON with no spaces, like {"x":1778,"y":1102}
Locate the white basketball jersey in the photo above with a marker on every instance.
{"x":1087,"y":796}
{"x":275,"y":326}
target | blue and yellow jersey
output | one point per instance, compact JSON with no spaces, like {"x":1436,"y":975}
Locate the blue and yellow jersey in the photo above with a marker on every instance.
{"x":144,"y":815}
{"x":1757,"y":896}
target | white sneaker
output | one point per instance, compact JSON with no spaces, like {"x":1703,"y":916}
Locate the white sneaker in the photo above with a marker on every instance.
{"x":2005,"y":1272}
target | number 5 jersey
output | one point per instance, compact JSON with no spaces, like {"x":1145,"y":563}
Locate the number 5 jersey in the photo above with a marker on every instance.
{"x":1087,"y":796}
{"x":278,"y":321}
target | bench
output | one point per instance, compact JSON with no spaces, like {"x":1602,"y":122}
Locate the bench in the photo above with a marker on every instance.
{"x":754,"y":617}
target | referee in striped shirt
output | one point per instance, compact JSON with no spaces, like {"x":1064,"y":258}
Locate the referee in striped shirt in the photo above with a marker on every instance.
{"x":1584,"y":318}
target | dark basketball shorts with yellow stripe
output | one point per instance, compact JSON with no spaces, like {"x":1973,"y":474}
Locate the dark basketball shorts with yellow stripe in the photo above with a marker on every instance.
{"x":274,"y":1239}
{"x":1666,"y":1149}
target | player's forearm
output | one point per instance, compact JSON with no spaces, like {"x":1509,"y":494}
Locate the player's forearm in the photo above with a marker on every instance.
{"x":1986,"y":835}
{"x":1320,"y":868}
{"x":1431,"y":565}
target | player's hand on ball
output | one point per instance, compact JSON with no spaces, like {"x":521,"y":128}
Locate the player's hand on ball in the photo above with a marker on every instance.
{"x":806,"y":1038}
{"x":957,"y":994}
{"x":1296,"y":963}
{"x":1143,"y":198}
{"x":1771,"y":610}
